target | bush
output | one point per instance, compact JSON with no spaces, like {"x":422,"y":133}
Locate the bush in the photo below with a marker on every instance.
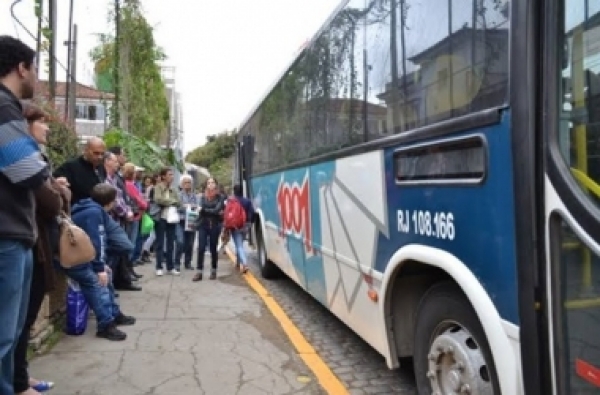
{"x":62,"y":139}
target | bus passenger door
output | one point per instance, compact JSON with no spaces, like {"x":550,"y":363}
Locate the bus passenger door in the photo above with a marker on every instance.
{"x":571,"y":130}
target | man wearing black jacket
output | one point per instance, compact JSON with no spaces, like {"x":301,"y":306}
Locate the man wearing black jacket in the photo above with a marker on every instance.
{"x":83,"y":172}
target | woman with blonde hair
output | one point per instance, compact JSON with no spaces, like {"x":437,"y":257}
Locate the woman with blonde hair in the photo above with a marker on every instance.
{"x":167,"y":197}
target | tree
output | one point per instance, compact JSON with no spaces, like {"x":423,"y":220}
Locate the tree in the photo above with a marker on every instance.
{"x":216,"y":155}
{"x":143,"y":106}
{"x":62,"y":139}
{"x":142,"y":152}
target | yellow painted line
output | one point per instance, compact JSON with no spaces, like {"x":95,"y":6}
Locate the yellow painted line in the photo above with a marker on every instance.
{"x":328,"y":380}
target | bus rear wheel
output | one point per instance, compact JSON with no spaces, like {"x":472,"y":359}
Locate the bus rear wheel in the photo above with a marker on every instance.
{"x":268,"y":269}
{"x":451,"y":352}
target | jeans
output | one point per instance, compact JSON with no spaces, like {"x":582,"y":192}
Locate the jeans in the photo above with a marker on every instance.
{"x":185,"y":246}
{"x":165,"y":243}
{"x":100,"y":299}
{"x":16,"y":265}
{"x":139,"y":245}
{"x":117,"y":240}
{"x":208,"y":234}
{"x":118,"y":251}
{"x":238,"y":241}
{"x":149,"y":241}
{"x":133,"y":231}
{"x":36,"y":298}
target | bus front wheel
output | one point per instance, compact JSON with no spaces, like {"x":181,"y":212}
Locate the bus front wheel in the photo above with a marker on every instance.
{"x":451,"y":352}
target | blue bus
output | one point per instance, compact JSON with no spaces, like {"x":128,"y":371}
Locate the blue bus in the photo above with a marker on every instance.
{"x":429,"y":171}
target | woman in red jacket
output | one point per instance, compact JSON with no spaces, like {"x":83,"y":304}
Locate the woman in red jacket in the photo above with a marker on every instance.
{"x":139,"y":203}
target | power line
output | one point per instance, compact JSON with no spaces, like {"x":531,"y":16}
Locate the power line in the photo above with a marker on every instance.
{"x":12,"y":13}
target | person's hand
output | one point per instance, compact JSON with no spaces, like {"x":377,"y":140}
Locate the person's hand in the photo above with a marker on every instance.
{"x":63,"y":182}
{"x":107,"y":269}
{"x":129,"y":216}
{"x":103,"y":279}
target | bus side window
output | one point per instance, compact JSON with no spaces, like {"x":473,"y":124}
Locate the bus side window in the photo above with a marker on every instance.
{"x":579,"y":123}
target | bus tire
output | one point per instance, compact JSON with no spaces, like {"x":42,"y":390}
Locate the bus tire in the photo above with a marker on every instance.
{"x":451,"y":352}
{"x":268,"y":269}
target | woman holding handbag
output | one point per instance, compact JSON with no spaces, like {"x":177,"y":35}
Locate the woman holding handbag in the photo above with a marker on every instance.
{"x":167,"y":197}
{"x":50,"y":202}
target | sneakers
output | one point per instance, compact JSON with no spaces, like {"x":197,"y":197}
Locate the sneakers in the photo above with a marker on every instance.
{"x":111,"y":333}
{"x":124,"y":320}
{"x":213,"y":276}
{"x":174,"y":272}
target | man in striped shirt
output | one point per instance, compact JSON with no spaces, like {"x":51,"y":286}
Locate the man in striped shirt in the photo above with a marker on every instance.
{"x":23,"y":173}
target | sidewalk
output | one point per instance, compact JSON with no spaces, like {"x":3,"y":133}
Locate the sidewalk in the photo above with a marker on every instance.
{"x":211,"y":337}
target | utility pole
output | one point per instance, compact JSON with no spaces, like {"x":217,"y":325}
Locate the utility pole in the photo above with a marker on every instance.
{"x":52,"y":51}
{"x":68,"y":43}
{"x":117,"y":56}
{"x":396,"y":123}
{"x":72,"y":81}
{"x":38,"y":42}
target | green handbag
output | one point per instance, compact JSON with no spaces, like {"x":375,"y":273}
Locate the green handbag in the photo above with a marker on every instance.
{"x":147,"y":224}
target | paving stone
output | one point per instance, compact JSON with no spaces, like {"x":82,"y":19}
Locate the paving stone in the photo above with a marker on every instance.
{"x":360,"y":368}
{"x":212,"y":337}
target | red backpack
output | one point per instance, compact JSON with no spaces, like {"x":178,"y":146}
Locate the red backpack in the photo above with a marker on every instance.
{"x":234,"y":216}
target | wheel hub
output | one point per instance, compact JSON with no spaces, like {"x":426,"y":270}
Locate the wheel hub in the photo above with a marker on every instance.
{"x":457,"y":365}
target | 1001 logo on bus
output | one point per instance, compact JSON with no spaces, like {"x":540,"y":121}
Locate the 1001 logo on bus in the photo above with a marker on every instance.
{"x":293,"y":203}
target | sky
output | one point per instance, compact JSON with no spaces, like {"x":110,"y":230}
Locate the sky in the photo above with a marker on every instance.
{"x":226,"y":53}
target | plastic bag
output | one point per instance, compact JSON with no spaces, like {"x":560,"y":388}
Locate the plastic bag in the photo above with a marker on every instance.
{"x":191,"y":217}
{"x":77,"y":310}
{"x":147,"y":225}
{"x":172,"y":215}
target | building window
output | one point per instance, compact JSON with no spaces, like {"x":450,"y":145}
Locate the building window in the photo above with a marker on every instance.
{"x":90,"y":112}
{"x":442,"y":79}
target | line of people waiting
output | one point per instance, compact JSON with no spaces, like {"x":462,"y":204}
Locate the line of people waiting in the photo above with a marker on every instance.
{"x":105,"y":196}
{"x":32,"y":197}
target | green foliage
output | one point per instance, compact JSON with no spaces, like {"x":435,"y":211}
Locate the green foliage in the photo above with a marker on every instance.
{"x":142,"y":152}
{"x":45,"y":30}
{"x":222,"y":170}
{"x":62,"y":139}
{"x":103,"y":56}
{"x":216,"y":155}
{"x":143,"y":105}
{"x":218,"y":146}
